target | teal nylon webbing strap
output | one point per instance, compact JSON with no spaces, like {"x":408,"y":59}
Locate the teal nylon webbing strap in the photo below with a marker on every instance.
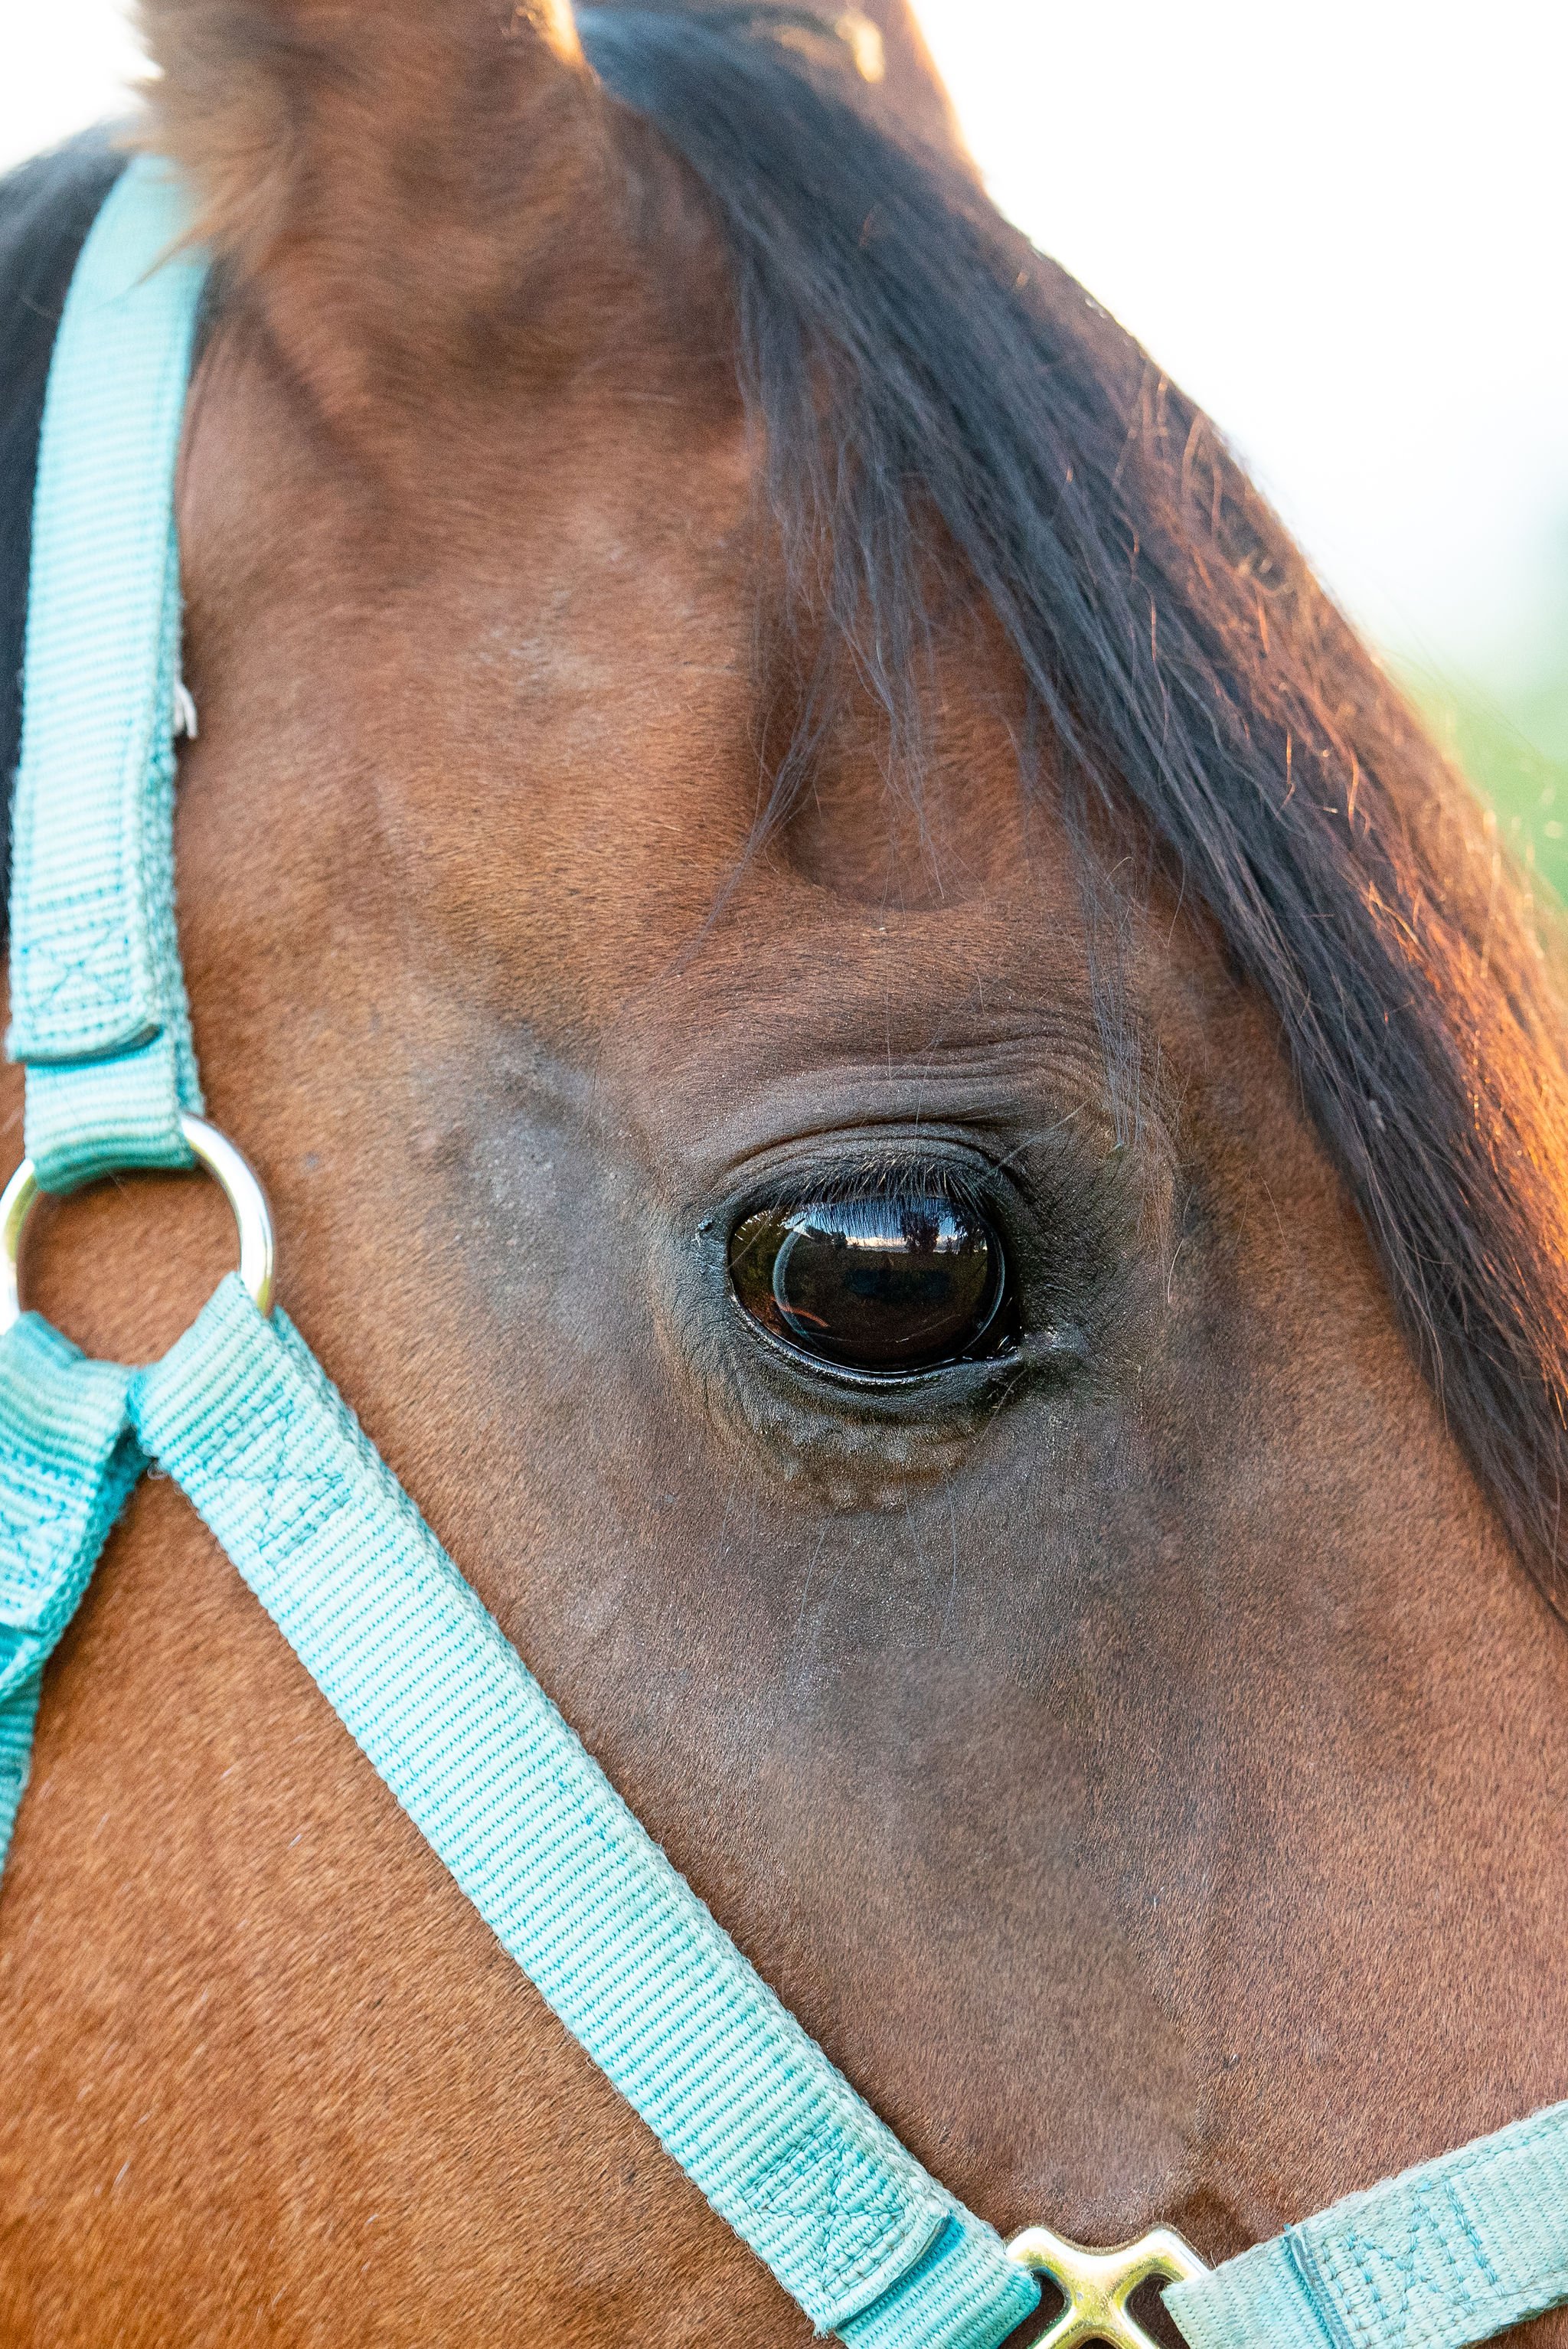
{"x":956,"y":2296}
{"x":243,"y":1418}
{"x":97,"y":1002}
{"x":18,"y":1718}
{"x":67,"y":1459}
{"x":1444,"y":2255}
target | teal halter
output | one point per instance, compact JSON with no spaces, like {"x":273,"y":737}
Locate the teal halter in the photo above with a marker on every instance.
{"x":243,"y":1419}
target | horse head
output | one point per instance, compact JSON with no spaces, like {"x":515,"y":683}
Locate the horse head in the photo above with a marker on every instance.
{"x":923,"y":1123}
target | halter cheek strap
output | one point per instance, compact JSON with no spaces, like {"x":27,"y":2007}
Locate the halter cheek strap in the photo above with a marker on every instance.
{"x":243,"y":1417}
{"x":97,"y":998}
{"x":1450,"y":2253}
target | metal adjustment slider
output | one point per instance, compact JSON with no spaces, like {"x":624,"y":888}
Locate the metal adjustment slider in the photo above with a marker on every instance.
{"x":1099,"y":2285}
{"x":233,"y":1177}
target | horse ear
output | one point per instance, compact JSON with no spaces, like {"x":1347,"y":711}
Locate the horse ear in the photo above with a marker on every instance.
{"x":914,"y":91}
{"x":368,"y":163}
{"x":880,"y":39}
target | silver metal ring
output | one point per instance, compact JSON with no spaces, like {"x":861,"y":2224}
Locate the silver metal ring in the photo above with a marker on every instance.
{"x":211,"y":1150}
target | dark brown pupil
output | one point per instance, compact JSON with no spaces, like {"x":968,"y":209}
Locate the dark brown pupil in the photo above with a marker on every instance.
{"x":883,"y":1285}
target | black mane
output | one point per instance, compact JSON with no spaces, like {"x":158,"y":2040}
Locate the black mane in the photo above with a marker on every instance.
{"x":912,"y":360}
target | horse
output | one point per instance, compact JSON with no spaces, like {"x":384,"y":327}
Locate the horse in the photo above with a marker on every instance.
{"x":741,"y":717}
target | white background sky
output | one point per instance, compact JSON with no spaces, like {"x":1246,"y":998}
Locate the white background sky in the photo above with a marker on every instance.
{"x":1341,"y":227}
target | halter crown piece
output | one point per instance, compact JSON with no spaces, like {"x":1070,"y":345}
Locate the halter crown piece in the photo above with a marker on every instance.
{"x":243,"y":1419}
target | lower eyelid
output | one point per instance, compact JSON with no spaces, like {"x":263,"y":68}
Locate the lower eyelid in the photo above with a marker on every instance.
{"x":852,"y":1443}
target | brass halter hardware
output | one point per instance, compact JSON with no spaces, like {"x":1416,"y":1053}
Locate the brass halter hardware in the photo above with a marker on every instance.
{"x":1099,"y":2285}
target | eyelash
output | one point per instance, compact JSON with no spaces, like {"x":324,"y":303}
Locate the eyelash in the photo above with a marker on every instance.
{"x":849,"y":1184}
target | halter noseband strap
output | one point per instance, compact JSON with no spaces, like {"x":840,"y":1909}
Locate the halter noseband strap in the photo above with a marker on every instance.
{"x":243,"y":1417}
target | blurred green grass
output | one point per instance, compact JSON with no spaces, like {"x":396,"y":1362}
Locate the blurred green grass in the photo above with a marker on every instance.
{"x":1511,"y":742}
{"x":1507,"y":730}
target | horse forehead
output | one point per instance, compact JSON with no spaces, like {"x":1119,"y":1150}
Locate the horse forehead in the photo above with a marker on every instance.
{"x":589,"y":848}
{"x":542,"y":696}
{"x":719,"y":1027}
{"x":593,"y":830}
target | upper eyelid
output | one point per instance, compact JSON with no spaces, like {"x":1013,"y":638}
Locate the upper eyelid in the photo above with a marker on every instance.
{"x":819,"y":1106}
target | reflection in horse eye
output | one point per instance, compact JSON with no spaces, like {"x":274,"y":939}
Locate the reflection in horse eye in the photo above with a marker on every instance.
{"x":886,"y":1284}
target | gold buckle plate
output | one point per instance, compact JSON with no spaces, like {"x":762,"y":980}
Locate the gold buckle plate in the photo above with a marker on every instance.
{"x":1099,"y":2285}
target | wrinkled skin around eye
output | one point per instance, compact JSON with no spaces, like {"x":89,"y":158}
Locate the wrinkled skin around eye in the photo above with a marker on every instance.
{"x":886,"y":1285}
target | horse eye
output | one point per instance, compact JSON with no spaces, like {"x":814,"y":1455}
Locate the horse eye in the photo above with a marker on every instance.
{"x":886,"y":1285}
